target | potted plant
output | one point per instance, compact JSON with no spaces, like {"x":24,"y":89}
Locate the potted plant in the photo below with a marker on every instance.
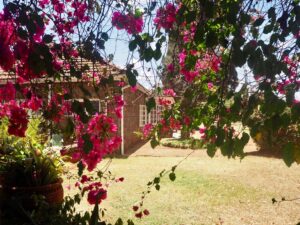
{"x":28,"y":170}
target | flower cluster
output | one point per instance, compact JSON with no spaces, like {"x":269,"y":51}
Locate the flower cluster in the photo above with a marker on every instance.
{"x":291,"y":78}
{"x":205,"y":63}
{"x":101,"y":132}
{"x":7,"y":37}
{"x":166,"y":16}
{"x":119,"y":105}
{"x":189,"y":33}
{"x":7,"y":92}
{"x":147,"y":129}
{"x":169,"y":92}
{"x":129,"y":22}
{"x":97,"y":191}
{"x":164,"y":102}
{"x":18,"y":120}
{"x":139,"y":213}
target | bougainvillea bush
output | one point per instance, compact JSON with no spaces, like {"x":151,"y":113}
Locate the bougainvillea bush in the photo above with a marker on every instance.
{"x":235,"y":58}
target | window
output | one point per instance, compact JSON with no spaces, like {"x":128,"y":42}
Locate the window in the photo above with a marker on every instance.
{"x":153,"y":116}
{"x":97,"y":105}
{"x":159,"y":111}
{"x":143,"y":115}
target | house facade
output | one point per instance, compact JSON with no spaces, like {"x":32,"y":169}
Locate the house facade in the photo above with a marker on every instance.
{"x":134,"y":112}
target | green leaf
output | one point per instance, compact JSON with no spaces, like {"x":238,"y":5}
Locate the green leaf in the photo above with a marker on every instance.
{"x":245,"y":138}
{"x":154,"y":142}
{"x":173,"y":168}
{"x":148,"y":54}
{"x":131,"y":77}
{"x":80,"y":168}
{"x":150,"y":104}
{"x":288,"y":154}
{"x":95,"y":216}
{"x":77,"y":108}
{"x":157,"y":54}
{"x":258,"y":22}
{"x":172,"y":176}
{"x":104,"y":36}
{"x":227,"y":148}
{"x":47,"y":38}
{"x":211,"y":150}
{"x":220,"y":136}
{"x":157,"y":187}
{"x":211,"y":39}
{"x":156,"y":180}
{"x":272,"y":13}
{"x":268,"y":29}
{"x":87,"y":145}
{"x":130,"y":222}
{"x":119,"y":222}
{"x":132,"y":45}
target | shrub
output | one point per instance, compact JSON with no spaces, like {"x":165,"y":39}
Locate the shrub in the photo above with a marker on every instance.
{"x":274,"y":141}
{"x":183,"y":143}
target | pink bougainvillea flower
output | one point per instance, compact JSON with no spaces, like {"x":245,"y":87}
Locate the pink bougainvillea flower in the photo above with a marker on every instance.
{"x":84,"y":179}
{"x":121,"y":84}
{"x":7,"y":92}
{"x":121,"y":179}
{"x":119,"y":100}
{"x":7,"y":37}
{"x":44,"y":3}
{"x":129,"y":22}
{"x":169,"y":92}
{"x":102,"y":133}
{"x":139,"y":215}
{"x":164,"y":102}
{"x":165,"y":16}
{"x":18,"y":120}
{"x":133,"y":89}
{"x":186,"y":120}
{"x":210,"y":86}
{"x":174,"y":124}
{"x":202,"y":130}
{"x":147,"y":129}
{"x":171,"y":68}
{"x":182,"y":56}
{"x":118,"y":112}
{"x":34,"y":103}
{"x":76,"y":156}
{"x":146,"y":212}
{"x":96,"y":196}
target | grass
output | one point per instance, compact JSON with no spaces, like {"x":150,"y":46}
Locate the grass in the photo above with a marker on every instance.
{"x":206,"y":191}
{"x":193,"y":198}
{"x":182,"y":143}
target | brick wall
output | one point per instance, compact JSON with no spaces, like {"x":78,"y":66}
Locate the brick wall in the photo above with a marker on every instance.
{"x":131,"y":118}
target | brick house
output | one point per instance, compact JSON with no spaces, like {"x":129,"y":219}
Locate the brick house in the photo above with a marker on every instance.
{"x":134,"y":112}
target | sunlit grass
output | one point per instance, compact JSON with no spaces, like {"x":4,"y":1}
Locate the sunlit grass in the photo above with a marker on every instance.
{"x":193,"y":198}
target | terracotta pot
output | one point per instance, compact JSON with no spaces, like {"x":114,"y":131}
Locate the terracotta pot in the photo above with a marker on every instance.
{"x":53,"y":193}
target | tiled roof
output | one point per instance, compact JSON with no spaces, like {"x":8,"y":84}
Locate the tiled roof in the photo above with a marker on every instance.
{"x":103,"y":69}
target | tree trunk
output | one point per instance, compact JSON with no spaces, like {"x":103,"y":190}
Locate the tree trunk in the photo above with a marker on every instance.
{"x":185,"y":134}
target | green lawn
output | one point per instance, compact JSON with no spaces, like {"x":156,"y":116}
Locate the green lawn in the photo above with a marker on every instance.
{"x":206,"y":191}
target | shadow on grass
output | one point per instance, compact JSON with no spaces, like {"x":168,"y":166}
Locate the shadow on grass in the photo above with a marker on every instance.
{"x":267,"y":154}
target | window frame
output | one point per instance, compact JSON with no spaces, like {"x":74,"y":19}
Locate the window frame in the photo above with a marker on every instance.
{"x":143,"y":117}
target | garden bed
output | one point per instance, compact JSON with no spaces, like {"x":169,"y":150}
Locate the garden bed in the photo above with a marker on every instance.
{"x":190,"y":143}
